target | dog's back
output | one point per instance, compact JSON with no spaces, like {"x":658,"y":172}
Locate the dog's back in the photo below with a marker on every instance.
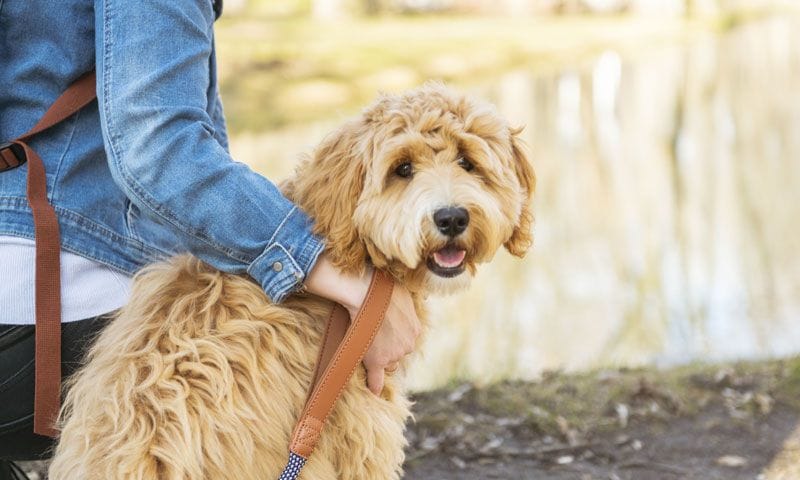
{"x":201,"y":377}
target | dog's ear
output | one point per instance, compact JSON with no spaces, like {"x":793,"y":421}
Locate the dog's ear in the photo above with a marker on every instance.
{"x":522,"y":237}
{"x":328,"y":185}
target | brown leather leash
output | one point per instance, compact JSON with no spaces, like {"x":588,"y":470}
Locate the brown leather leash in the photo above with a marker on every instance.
{"x":343,"y":348}
{"x":47,"y":389}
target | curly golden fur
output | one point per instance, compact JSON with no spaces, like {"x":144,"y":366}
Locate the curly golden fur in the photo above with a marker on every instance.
{"x":201,"y":377}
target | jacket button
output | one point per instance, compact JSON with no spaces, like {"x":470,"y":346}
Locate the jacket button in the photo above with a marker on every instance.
{"x":277,"y":266}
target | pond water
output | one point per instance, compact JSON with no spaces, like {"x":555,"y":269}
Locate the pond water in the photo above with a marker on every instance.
{"x":666,"y":213}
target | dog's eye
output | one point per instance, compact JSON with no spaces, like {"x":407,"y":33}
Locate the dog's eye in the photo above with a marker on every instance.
{"x":404,"y":170}
{"x":465,"y":164}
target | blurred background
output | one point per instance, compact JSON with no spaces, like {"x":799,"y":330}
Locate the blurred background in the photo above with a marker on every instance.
{"x":666,"y":139}
{"x":665,"y":135}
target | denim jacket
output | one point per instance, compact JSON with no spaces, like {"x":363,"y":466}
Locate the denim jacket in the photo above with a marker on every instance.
{"x":144,"y":172}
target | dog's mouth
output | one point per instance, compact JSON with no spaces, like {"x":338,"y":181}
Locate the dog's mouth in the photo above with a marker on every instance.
{"x":448,"y":261}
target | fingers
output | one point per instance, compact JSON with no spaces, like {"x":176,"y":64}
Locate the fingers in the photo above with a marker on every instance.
{"x":375,"y":380}
{"x":395,"y":339}
{"x":376,"y":376}
{"x":403,"y":306}
{"x":391,"y":369}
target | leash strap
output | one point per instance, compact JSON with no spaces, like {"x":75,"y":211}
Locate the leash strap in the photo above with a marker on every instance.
{"x":47,"y":380}
{"x":343,"y":348}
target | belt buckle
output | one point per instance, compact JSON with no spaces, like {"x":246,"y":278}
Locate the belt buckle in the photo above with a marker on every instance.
{"x":12,"y":156}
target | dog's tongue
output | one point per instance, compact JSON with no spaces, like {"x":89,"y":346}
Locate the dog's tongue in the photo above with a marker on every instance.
{"x":449,"y":257}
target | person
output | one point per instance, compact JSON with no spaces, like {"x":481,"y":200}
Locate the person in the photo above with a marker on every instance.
{"x":142,"y":173}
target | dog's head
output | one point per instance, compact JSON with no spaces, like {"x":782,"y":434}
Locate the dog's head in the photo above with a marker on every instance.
{"x":426,"y":185}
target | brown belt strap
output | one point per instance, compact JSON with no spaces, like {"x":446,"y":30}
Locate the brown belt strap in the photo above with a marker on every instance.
{"x":350,"y":343}
{"x":47,"y":393}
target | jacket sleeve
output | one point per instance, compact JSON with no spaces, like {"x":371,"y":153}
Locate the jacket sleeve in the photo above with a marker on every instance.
{"x":153,"y":83}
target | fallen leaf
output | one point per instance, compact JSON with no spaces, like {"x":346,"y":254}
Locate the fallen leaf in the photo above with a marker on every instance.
{"x":565,"y":460}
{"x":459,"y":392}
{"x":460,"y":464}
{"x":733,"y":461}
{"x":764,"y":403}
{"x":622,"y":414}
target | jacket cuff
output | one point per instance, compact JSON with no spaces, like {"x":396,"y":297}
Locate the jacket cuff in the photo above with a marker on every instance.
{"x":290,"y":255}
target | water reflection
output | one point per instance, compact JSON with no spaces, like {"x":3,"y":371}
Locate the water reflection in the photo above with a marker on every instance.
{"x":666,"y":214}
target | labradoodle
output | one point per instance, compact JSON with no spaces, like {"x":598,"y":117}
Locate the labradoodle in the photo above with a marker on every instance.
{"x":201,"y":377}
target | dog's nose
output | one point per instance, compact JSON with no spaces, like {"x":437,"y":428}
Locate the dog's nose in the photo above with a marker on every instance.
{"x":451,"y":221}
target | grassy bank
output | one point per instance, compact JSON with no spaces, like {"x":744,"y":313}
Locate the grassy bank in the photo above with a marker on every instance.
{"x":590,"y":402}
{"x":278,"y":72}
{"x":695,"y":422}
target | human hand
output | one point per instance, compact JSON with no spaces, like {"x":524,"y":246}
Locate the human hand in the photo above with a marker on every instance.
{"x":395,"y":339}
{"x":396,"y":336}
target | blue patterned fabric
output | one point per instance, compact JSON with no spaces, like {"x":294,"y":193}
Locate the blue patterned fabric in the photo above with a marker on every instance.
{"x":293,"y":468}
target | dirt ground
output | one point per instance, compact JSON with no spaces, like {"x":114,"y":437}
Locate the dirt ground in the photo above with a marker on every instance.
{"x":706,"y":446}
{"x":723,"y":422}
{"x":702,"y":423}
